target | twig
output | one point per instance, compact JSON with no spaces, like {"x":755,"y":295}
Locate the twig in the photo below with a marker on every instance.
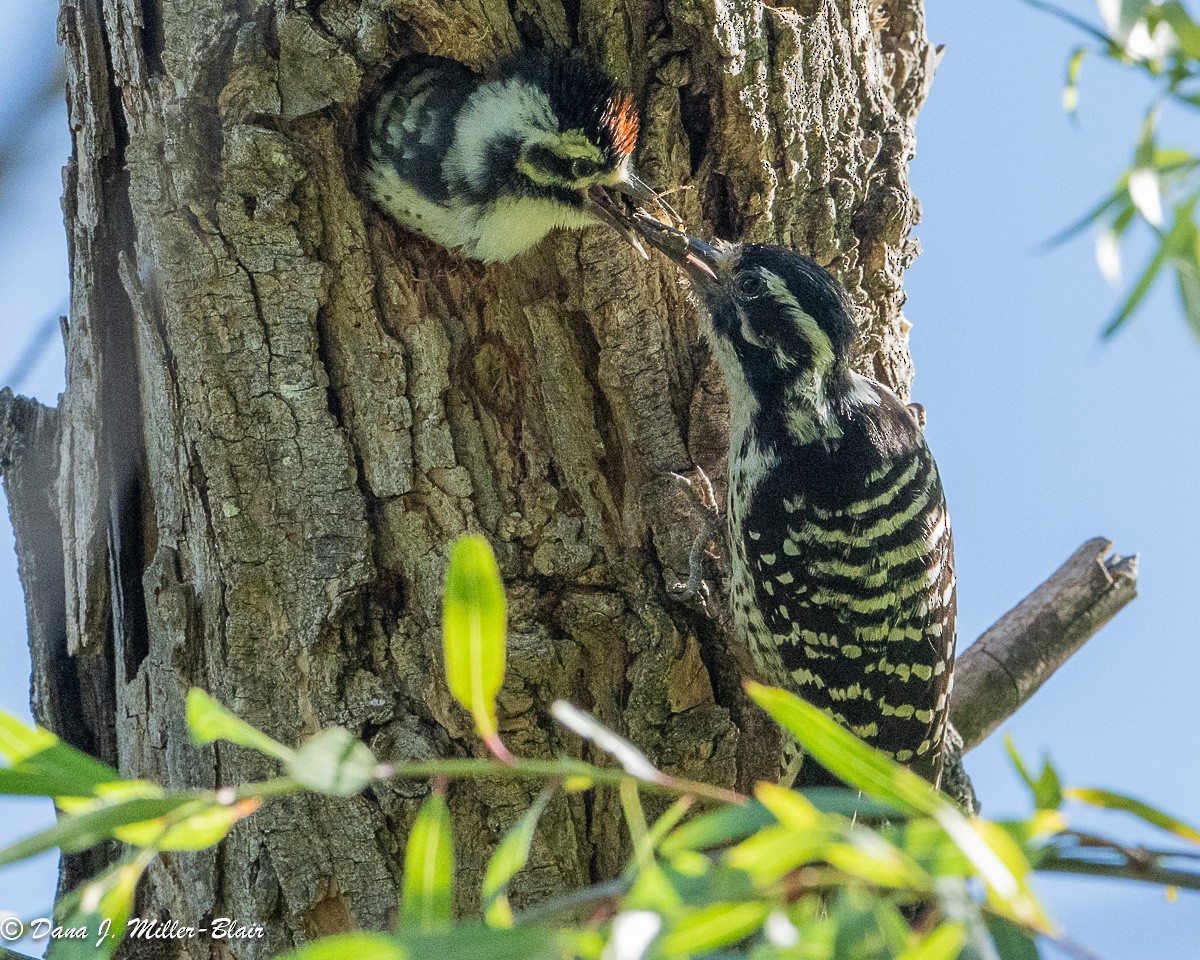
{"x":597,"y":893}
{"x":1085,"y":853}
{"x":1144,"y":873}
{"x":1001,"y":670}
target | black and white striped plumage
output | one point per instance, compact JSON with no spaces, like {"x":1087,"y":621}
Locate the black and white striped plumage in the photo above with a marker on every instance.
{"x":842,"y":560}
{"x":489,"y":164}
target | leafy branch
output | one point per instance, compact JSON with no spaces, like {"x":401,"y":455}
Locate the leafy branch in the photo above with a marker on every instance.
{"x":1158,"y":192}
{"x":783,"y":874}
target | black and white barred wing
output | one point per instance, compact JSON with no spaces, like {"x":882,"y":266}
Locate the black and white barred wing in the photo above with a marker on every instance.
{"x":856,"y":590}
{"x":412,"y":128}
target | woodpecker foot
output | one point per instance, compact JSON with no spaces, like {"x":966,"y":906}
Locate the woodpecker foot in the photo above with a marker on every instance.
{"x":695,"y":588}
{"x":955,"y":782}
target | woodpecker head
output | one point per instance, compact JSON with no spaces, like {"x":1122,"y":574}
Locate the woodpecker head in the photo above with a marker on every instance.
{"x":553,"y":128}
{"x":780,"y":323}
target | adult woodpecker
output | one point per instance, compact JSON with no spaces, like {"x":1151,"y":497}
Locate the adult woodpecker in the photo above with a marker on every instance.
{"x":842,"y":560}
{"x":488,"y":164}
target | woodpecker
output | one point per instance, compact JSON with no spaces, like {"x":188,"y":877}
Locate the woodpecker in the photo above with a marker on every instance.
{"x":842,"y":560}
{"x":488,"y":164}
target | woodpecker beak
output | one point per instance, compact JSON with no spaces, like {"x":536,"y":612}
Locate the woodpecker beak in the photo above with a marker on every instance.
{"x":696,"y":257}
{"x":600,"y":205}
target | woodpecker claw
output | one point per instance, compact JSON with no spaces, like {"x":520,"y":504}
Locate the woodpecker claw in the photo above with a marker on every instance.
{"x":695,"y":588}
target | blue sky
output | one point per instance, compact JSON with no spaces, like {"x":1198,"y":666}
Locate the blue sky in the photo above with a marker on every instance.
{"x":1044,"y":436}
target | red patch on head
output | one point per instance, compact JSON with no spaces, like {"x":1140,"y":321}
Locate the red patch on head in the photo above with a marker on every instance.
{"x":621,"y":120}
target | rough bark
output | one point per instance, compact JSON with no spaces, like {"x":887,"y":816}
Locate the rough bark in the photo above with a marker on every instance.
{"x":281,"y":409}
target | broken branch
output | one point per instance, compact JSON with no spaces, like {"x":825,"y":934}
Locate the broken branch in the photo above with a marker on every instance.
{"x":1001,"y":670}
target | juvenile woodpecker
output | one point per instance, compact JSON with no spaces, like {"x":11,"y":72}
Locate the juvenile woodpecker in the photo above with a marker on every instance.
{"x":489,"y":164}
{"x":840,"y":548}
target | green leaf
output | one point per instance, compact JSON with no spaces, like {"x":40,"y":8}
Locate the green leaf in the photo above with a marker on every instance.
{"x":42,"y":765}
{"x":771,"y":854}
{"x":110,"y":794}
{"x":1178,"y":245}
{"x":944,"y":943}
{"x":1115,"y":801}
{"x":353,"y":946}
{"x":1185,"y":28}
{"x":872,"y":859}
{"x":1174,"y":162}
{"x":928,"y":844}
{"x":17,"y":741}
{"x":867,"y":928}
{"x":845,"y":755}
{"x":1047,"y":788}
{"x":1184,"y":244}
{"x":1121,"y":222}
{"x":1121,"y":17}
{"x":1070,"y":95}
{"x":1117,"y":201}
{"x":698,"y":884}
{"x":858,"y":852}
{"x":655,"y":889}
{"x":474,"y":619}
{"x":1078,"y":22}
{"x":1012,"y":942}
{"x":1139,"y":291}
{"x":1031,"y":835}
{"x":669,"y":820}
{"x":334,"y":762}
{"x":74,"y":833}
{"x":1002,"y":844}
{"x":1187,"y":276}
{"x":715,"y":926}
{"x":635,"y":820}
{"x":102,"y":907}
{"x":197,"y":831}
{"x":1142,"y":179}
{"x":852,"y":761}
{"x":791,"y":809}
{"x":428,"y":891}
{"x":510,"y":858}
{"x":851,"y":803}
{"x":208,"y":722}
{"x":718,"y":828}
{"x":474,"y":941}
{"x":959,"y":906}
{"x":470,"y":941}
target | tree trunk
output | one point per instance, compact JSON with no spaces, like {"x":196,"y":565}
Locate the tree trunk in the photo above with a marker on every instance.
{"x":281,"y":409}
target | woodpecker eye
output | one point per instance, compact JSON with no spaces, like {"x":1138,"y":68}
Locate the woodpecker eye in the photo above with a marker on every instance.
{"x":751,"y":286}
{"x":582,"y":168}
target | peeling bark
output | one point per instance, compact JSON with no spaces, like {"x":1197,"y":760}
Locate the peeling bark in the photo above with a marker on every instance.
{"x":281,"y":409}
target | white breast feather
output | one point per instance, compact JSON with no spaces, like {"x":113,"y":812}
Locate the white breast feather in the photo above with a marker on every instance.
{"x":508,"y":226}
